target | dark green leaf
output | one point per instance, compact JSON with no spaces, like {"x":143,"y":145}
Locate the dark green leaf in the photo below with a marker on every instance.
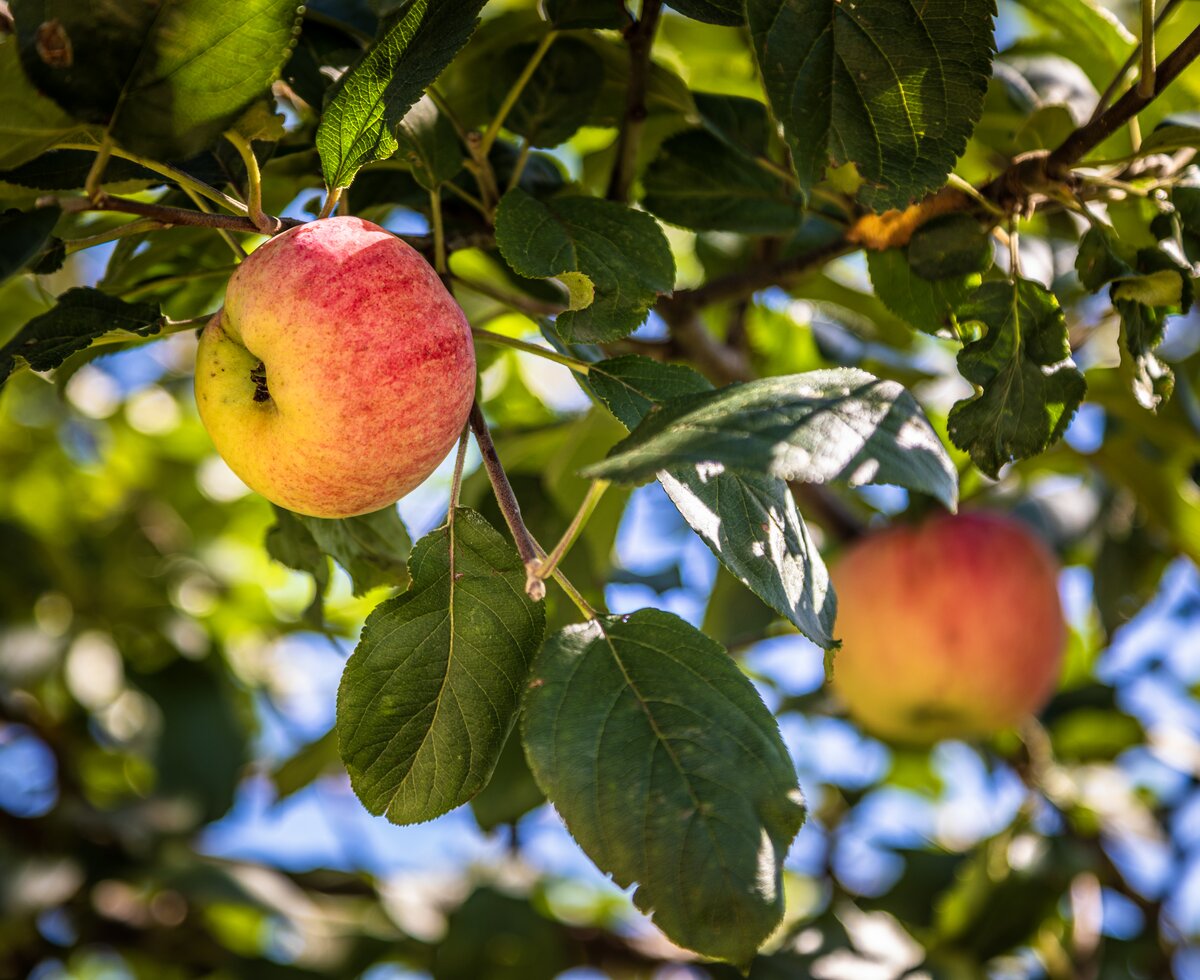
{"x":428,"y":142}
{"x":30,"y":123}
{"x":928,"y":306}
{"x":290,"y":543}
{"x":558,"y":97}
{"x":430,"y":692}
{"x":750,"y":521}
{"x":1027,"y":388}
{"x":24,"y":238}
{"x":79,"y":317}
{"x":950,"y":246}
{"x":368,"y":102}
{"x":894,"y":88}
{"x":68,"y":169}
{"x":511,"y":792}
{"x":670,"y":772}
{"x":698,"y":182}
{"x":165,"y":78}
{"x":840,"y":424}
{"x":742,"y":124}
{"x":623,"y":252}
{"x":728,"y":12}
{"x":568,"y":15}
{"x":1102,"y":257}
{"x":372,"y":548}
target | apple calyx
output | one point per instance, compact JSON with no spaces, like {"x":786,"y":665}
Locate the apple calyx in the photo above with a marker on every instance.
{"x":258,"y":374}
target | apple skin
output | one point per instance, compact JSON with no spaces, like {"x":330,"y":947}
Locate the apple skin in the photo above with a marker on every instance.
{"x":368,"y":369}
{"x":950,"y":629}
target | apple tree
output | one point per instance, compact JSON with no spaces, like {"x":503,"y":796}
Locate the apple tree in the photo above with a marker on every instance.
{"x":793,"y":269}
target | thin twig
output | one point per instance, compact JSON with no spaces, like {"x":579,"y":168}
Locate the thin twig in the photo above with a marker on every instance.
{"x":488,"y":337}
{"x":167,"y":214}
{"x":140,"y":226}
{"x":528,"y":305}
{"x":514,"y":93}
{"x":266,"y":223}
{"x":640,"y":39}
{"x":1145,"y":86}
{"x":545,"y":567}
{"x":526,"y":547}
{"x":439,"y":233}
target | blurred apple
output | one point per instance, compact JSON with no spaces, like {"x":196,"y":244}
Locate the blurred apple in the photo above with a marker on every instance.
{"x":951,"y":629}
{"x":339,"y":372}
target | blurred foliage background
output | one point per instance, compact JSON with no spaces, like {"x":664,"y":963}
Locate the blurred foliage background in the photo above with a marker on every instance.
{"x":171,"y":800}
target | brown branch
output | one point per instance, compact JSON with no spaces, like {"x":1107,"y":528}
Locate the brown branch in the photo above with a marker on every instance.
{"x":1088,"y":137}
{"x":640,"y":38}
{"x":527,"y":548}
{"x":165,"y":214}
{"x":738,"y":285}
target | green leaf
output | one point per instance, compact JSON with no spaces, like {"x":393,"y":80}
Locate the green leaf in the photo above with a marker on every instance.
{"x":428,"y":142}
{"x":623,"y":252}
{"x":566,"y":15}
{"x":669,"y":771}
{"x":950,"y":246}
{"x":558,"y":97}
{"x":431,"y":691}
{"x":30,"y":123}
{"x":1027,"y":387}
{"x":165,"y":78}
{"x":1093,"y":37}
{"x":372,"y":548}
{"x":929,"y":306}
{"x":79,"y":317}
{"x":24,"y":237}
{"x":893,"y":88}
{"x":840,"y":424}
{"x":698,"y":182}
{"x":742,"y":124}
{"x":727,"y":12}
{"x":511,"y":792}
{"x":750,"y":521}
{"x":57,"y":170}
{"x":373,"y":96}
{"x":1148,"y":286}
{"x":290,"y":543}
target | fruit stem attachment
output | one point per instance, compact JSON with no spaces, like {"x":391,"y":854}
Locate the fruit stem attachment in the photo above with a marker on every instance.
{"x":266,"y":223}
{"x":514,"y":93}
{"x":488,"y":337}
{"x":545,"y":567}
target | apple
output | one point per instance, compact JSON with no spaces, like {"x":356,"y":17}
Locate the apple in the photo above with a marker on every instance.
{"x":950,"y":629}
{"x":339,"y":372}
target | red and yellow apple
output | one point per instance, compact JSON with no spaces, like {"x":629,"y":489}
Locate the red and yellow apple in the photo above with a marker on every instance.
{"x":339,"y":372}
{"x":950,"y":629}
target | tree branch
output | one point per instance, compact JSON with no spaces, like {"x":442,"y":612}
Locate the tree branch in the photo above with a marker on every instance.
{"x":640,"y":38}
{"x":527,"y":548}
{"x":165,"y":214}
{"x":1088,"y":137}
